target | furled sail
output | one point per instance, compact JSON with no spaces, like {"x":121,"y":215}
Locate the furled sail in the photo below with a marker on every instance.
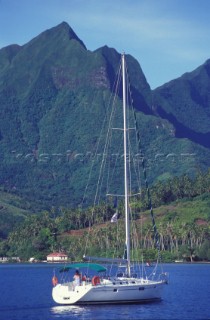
{"x":105,"y":260}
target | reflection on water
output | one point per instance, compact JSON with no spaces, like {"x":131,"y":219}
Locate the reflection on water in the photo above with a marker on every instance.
{"x":95,"y":312}
{"x":86,"y":312}
{"x":70,"y":311}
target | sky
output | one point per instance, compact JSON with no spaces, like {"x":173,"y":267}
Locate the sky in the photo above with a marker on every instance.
{"x":167,"y":37}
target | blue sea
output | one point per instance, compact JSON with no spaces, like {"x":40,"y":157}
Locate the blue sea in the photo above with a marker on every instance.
{"x":25,"y":293}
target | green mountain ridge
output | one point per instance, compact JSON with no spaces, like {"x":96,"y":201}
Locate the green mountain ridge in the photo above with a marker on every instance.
{"x":185,"y":102}
{"x":53,"y":100}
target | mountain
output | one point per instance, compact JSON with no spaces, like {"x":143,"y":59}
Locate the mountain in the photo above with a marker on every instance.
{"x":53,"y":101}
{"x":185,"y":102}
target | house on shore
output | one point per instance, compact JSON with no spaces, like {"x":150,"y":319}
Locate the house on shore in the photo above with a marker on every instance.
{"x":9,"y":259}
{"x":57,"y":257}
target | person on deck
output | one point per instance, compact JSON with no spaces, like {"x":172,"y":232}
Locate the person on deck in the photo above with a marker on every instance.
{"x":77,"y":278}
{"x":84,"y":277}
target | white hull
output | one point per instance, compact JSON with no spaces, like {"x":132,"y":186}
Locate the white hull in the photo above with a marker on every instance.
{"x":116,"y":291}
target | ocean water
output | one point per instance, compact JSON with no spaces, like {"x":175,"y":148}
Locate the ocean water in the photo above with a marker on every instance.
{"x":25,"y":293}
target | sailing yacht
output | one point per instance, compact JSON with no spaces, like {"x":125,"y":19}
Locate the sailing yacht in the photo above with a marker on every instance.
{"x":126,"y":286}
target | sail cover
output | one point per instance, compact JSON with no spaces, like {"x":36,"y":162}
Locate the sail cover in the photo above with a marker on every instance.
{"x":91,"y":266}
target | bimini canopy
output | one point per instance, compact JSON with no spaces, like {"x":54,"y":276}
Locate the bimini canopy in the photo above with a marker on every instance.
{"x":91,"y":266}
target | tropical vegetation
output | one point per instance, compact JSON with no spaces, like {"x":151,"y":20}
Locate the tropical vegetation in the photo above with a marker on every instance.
{"x":182,"y":210}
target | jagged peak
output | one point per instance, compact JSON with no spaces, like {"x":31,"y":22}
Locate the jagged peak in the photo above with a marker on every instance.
{"x":64,"y":28}
{"x":61,"y":31}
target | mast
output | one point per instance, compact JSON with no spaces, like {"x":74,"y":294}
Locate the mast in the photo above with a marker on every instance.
{"x":127,"y":219}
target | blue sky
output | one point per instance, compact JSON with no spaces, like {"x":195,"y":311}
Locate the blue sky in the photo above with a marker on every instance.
{"x":167,"y":37}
